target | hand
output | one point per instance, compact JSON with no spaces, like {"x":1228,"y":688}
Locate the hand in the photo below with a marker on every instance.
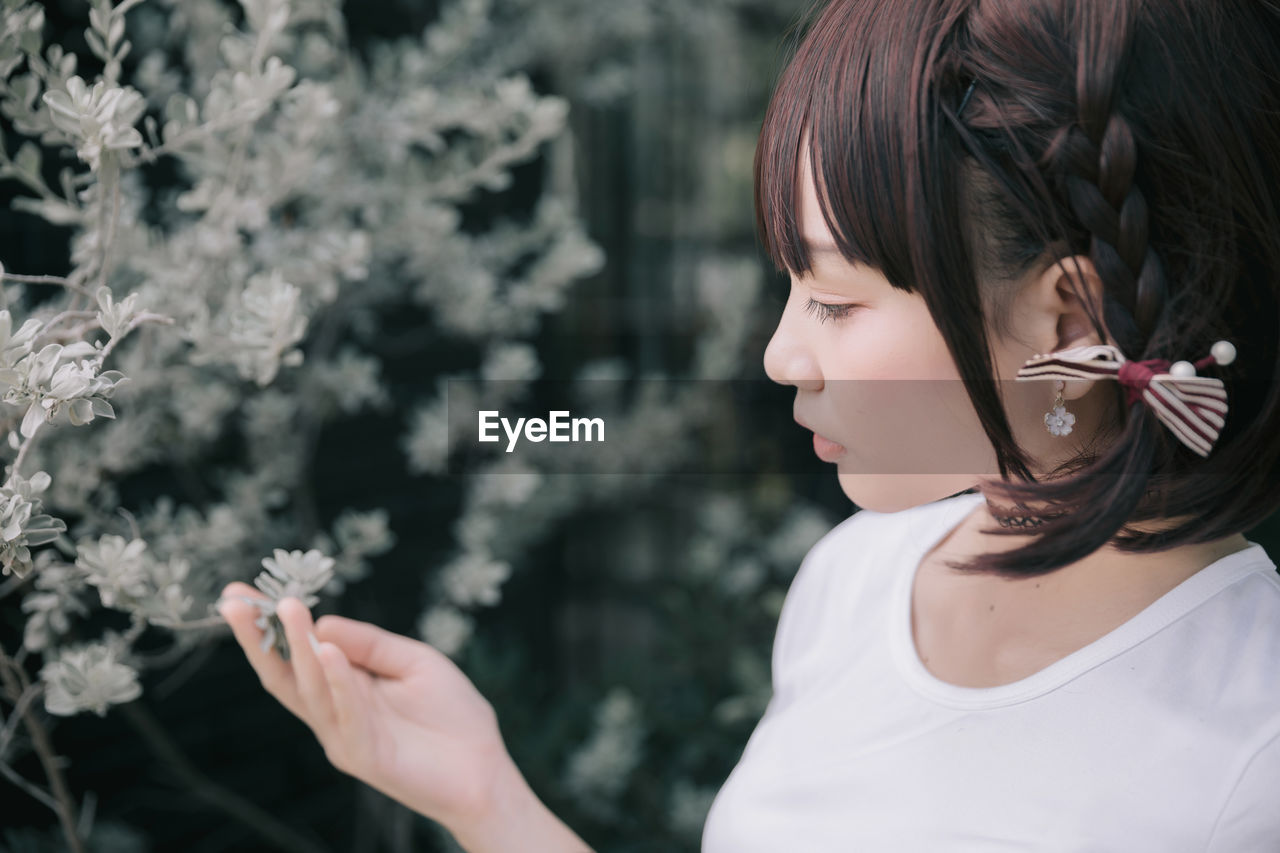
{"x":387,"y":709}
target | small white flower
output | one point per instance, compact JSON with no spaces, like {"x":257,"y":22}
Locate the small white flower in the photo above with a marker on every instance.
{"x":364,"y":532}
{"x":1059,"y":421}
{"x":118,"y":568}
{"x":88,"y":678}
{"x":427,"y":442}
{"x":98,"y":118}
{"x":115,"y":316}
{"x":475,"y":578}
{"x":293,"y":573}
{"x":23,"y":524}
{"x":600,"y":769}
{"x":266,"y":326}
{"x":446,"y":628}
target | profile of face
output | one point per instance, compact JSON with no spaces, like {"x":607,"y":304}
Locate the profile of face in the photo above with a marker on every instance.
{"x":878,"y":386}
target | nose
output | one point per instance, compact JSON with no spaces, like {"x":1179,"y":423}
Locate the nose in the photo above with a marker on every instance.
{"x":788,"y":360}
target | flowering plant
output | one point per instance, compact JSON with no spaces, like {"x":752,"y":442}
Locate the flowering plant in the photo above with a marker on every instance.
{"x":242,"y":304}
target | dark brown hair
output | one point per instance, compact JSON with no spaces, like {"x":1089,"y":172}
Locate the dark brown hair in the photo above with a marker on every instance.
{"x":1145,"y":135}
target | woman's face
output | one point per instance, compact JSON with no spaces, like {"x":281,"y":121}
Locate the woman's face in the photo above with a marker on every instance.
{"x":877,"y":379}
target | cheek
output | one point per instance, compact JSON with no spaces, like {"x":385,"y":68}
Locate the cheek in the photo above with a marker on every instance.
{"x":902,"y":406}
{"x":896,"y":341}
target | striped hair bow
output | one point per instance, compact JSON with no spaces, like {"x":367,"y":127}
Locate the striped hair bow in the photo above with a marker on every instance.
{"x":1192,"y":407}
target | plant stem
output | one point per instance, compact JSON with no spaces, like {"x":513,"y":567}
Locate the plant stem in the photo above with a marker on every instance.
{"x":15,"y":685}
{"x":45,"y":279}
{"x":260,"y":820}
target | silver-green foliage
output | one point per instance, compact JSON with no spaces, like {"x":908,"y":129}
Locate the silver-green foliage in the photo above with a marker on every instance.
{"x":315,"y":188}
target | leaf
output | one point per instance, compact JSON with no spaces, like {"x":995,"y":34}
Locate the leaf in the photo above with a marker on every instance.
{"x":28,"y":158}
{"x":97,"y":19}
{"x":41,"y":535}
{"x":95,"y":44}
{"x":80,"y":411}
{"x":32,"y":419}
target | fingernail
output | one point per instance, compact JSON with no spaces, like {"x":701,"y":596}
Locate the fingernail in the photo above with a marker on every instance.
{"x":314,"y":643}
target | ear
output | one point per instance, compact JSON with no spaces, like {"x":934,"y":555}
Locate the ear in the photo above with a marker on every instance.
{"x":1062,"y":316}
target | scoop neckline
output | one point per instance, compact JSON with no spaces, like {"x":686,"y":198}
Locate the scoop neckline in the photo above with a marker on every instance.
{"x":1164,"y":610}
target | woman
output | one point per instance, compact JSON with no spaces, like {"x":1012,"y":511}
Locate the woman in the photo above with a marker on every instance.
{"x":1044,"y":629}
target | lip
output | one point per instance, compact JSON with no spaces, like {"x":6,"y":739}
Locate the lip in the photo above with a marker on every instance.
{"x":826,"y":449}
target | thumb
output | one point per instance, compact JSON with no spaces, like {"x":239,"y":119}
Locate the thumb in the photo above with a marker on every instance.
{"x":378,"y":650}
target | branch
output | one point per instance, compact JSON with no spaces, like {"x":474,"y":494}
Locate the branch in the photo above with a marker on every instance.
{"x":45,"y":279}
{"x":109,"y":238}
{"x":22,"y":451}
{"x":19,"y":710}
{"x":137,"y":321}
{"x":150,"y":155}
{"x":15,"y":685}
{"x":13,"y":776}
{"x":261,"y":821}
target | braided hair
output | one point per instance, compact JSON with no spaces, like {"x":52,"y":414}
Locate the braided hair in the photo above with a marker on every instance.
{"x":1114,"y":129}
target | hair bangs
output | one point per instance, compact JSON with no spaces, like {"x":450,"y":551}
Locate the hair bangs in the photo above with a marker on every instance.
{"x":846,"y":100}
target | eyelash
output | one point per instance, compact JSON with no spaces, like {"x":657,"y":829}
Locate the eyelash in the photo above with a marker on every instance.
{"x":824,"y":311}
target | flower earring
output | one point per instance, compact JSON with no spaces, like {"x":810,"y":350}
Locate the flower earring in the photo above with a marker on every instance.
{"x":1059,"y":420}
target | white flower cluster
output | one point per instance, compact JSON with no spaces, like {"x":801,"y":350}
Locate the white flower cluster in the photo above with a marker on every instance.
{"x":97,"y":118}
{"x":356,"y":537}
{"x":446,"y":628}
{"x":266,"y":328}
{"x":51,"y":380}
{"x":293,"y":573}
{"x":89,"y":677}
{"x":58,"y":598}
{"x":289,"y":574}
{"x":23,"y":523}
{"x":319,"y":190}
{"x":733,"y":553}
{"x":473,"y":578}
{"x":116,"y":317}
{"x":600,"y":769}
{"x":47,"y":385}
{"x":129,"y":578}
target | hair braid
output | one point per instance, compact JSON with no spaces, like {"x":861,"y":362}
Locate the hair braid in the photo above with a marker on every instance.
{"x":1094,"y":161}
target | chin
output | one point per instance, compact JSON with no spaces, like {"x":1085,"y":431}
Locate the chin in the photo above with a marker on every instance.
{"x":896,"y":492}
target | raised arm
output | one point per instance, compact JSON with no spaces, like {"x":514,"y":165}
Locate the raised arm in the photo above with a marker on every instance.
{"x":400,"y":716}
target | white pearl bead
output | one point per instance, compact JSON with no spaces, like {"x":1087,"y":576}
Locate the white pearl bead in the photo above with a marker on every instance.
{"x":1182,"y":369}
{"x":1224,"y":352}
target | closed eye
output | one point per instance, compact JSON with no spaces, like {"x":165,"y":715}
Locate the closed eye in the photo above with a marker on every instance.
{"x":826,"y":311}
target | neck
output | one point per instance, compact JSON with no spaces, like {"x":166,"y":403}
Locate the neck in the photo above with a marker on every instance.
{"x":1106,"y":571}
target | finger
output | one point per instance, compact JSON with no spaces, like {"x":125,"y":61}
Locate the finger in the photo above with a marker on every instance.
{"x":307,"y":671}
{"x":275,"y":674}
{"x":348,"y":707}
{"x":378,"y":650}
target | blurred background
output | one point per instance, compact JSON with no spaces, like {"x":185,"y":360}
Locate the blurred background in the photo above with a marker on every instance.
{"x":505,"y":203}
{"x":620,"y":615}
